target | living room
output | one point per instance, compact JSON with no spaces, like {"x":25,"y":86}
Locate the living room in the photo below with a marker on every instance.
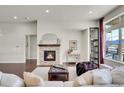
{"x":36,"y":38}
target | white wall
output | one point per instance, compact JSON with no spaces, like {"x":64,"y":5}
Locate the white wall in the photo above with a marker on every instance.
{"x":12,"y":41}
{"x":33,"y":47}
{"x":65,"y":35}
{"x":86,"y":45}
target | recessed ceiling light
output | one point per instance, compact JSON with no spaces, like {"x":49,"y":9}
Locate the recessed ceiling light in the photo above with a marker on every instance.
{"x":47,"y":11}
{"x":90,"y":12}
{"x":15,"y":17}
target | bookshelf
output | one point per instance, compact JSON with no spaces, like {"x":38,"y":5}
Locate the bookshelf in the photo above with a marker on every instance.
{"x":94,"y":44}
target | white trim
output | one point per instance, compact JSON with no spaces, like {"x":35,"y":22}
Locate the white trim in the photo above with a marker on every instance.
{"x":122,"y":13}
{"x":115,"y":27}
{"x":115,"y":61}
{"x":105,"y":66}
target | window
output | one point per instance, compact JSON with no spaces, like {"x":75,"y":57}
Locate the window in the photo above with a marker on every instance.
{"x":122,"y":19}
{"x":112,"y":23}
{"x":114,"y":39}
{"x":112,"y":43}
{"x":122,"y":44}
{"x":122,"y":30}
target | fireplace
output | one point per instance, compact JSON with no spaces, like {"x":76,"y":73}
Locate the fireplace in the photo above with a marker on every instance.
{"x":49,"y":55}
{"x":49,"y":49}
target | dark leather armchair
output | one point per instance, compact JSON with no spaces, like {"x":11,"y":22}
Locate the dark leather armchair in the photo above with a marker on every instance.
{"x":83,"y":67}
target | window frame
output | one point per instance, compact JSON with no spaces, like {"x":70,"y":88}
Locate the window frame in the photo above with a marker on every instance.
{"x":118,"y":26}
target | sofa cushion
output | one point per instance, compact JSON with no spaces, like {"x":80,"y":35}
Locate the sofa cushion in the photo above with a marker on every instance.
{"x":0,"y":77}
{"x":84,"y":79}
{"x":31,"y":79}
{"x":118,"y":75}
{"x":42,"y":72}
{"x":11,"y":80}
{"x":106,"y":85}
{"x":102,"y":76}
{"x":68,"y":83}
{"x":53,"y":84}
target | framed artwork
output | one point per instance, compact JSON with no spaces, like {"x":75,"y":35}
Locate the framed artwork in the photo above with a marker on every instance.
{"x":73,"y":44}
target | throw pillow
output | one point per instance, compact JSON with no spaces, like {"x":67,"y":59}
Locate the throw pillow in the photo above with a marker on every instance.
{"x":102,"y":76}
{"x":31,"y":79}
{"x":118,"y":75}
{"x":84,"y":79}
{"x":0,"y":76}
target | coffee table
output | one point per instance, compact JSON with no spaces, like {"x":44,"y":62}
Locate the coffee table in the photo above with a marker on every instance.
{"x":58,"y":74}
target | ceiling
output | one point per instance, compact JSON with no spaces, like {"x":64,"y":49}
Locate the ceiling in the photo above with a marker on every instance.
{"x":57,"y":13}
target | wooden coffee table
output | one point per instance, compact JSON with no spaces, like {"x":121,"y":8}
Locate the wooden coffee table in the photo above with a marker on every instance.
{"x":57,"y":74}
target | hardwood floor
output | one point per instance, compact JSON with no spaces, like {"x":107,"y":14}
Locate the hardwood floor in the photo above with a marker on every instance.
{"x":19,"y":68}
{"x":14,"y":68}
{"x":31,"y":64}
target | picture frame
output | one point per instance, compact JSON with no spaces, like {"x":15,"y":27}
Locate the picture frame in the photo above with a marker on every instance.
{"x":73,"y":44}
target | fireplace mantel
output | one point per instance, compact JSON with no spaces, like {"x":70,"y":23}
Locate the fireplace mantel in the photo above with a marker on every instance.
{"x":49,"y":45}
{"x":45,"y":49}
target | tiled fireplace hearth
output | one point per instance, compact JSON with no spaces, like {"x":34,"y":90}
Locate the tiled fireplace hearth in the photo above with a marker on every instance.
{"x":49,"y":54}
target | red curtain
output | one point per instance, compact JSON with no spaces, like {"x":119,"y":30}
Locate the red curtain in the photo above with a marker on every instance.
{"x":101,"y":30}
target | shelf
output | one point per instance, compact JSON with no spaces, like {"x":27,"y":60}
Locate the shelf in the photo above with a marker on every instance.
{"x":94,"y":58}
{"x":94,"y":51}
{"x":49,"y":45}
{"x":95,"y":46}
{"x":94,"y":40}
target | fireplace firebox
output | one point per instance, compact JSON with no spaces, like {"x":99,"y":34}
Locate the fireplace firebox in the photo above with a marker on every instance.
{"x":49,"y":55}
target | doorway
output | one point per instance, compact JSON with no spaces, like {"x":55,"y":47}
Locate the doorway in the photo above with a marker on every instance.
{"x":31,"y":52}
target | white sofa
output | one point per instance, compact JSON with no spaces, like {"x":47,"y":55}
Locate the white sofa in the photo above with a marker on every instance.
{"x":41,"y":71}
{"x":10,"y":80}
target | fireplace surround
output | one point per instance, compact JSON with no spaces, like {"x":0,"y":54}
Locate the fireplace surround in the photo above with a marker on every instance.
{"x":49,"y":54}
{"x":49,"y":49}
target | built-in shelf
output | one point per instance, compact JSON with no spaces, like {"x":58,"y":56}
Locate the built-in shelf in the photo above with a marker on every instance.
{"x":94,"y":51}
{"x":94,"y":40}
{"x":49,"y":45}
{"x":96,"y":46}
{"x":94,"y":43}
{"x":94,"y":58}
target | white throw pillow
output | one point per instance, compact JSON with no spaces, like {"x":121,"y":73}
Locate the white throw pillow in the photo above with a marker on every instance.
{"x":84,"y":79}
{"x":102,"y":76}
{"x":0,"y":76}
{"x":31,"y":79}
{"x":118,"y":75}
